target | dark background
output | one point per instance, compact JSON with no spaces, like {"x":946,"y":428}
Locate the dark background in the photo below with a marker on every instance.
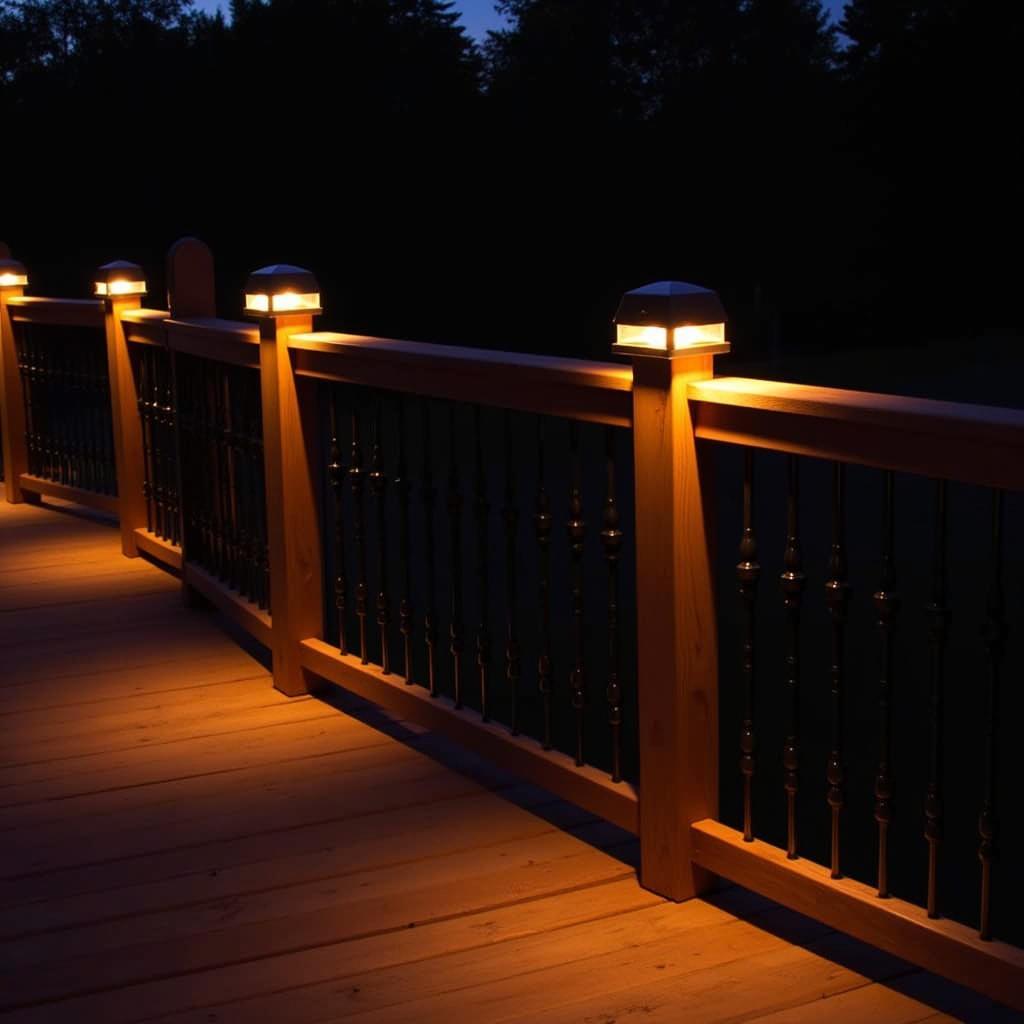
{"x":838,"y":190}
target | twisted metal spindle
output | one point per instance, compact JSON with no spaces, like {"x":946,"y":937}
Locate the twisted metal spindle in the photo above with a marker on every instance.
{"x":748,"y":572}
{"x":576,"y":530}
{"x":336,"y":480}
{"x":455,"y":630}
{"x":357,"y":481}
{"x":887,"y":603}
{"x":938,"y":616}
{"x":543,"y":522}
{"x":483,"y":635}
{"x":402,"y":489}
{"x":611,"y":541}
{"x":837,"y":597}
{"x":378,"y":487}
{"x":793,"y":582}
{"x":994,"y":636}
{"x":510,"y":517}
{"x":428,"y":494}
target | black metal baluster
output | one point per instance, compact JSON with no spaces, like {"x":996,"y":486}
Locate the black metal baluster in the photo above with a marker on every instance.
{"x":428,"y":495}
{"x":793,"y":582}
{"x":887,"y":603}
{"x":510,"y":517}
{"x":455,"y":632}
{"x":576,"y":530}
{"x":543,"y":522}
{"x":146,"y":424}
{"x":611,"y":541}
{"x":748,"y":572}
{"x":378,"y":487}
{"x":994,"y":636}
{"x":336,"y":479}
{"x":356,"y":477}
{"x":402,"y":488}
{"x":234,"y":563}
{"x":481,"y":507}
{"x":837,"y":596}
{"x":938,"y":629}
{"x":168,"y":447}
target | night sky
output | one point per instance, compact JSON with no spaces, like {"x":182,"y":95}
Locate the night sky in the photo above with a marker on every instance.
{"x":479,"y":15}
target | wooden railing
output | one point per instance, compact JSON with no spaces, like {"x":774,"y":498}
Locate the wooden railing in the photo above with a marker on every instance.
{"x":517,"y":550}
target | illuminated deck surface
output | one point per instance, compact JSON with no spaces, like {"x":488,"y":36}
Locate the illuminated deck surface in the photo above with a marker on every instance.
{"x":181,"y":842}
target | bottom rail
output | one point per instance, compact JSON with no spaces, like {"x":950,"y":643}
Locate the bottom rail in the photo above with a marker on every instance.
{"x":80,"y":496}
{"x":588,"y":787}
{"x":945,"y":947}
{"x":160,"y":550}
{"x":253,"y":620}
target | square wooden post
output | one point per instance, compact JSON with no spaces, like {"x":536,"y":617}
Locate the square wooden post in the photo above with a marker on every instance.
{"x":12,"y":403}
{"x":291,"y":453}
{"x":677,"y":631}
{"x":129,"y":457}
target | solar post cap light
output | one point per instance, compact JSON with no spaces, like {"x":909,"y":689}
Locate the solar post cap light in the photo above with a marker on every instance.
{"x":667,"y":318}
{"x":120,"y":278}
{"x":281,"y":289}
{"x":12,"y":274}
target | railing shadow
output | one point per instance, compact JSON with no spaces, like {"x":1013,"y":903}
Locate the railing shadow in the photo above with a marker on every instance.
{"x":589,"y":829}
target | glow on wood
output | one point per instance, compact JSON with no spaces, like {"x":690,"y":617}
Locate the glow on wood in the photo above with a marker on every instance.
{"x":677,"y":640}
{"x":903,"y":929}
{"x":588,"y":787}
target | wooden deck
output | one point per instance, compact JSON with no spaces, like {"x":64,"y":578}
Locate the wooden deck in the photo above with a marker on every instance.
{"x":182,"y":843}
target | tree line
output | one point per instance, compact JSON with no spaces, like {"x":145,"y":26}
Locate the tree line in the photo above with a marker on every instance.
{"x":836,"y":183}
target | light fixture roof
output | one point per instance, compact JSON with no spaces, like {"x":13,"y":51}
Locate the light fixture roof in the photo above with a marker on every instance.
{"x":670,"y":304}
{"x":281,"y":277}
{"x":120,"y":270}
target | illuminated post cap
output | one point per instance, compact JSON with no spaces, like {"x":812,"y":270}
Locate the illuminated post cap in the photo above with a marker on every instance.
{"x":12,"y":274}
{"x":120,"y":278}
{"x":281,"y":289}
{"x":670,"y":317}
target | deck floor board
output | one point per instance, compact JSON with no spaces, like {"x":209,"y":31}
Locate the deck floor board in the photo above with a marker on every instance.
{"x":182,"y":843}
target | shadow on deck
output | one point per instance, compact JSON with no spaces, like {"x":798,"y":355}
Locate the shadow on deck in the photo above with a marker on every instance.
{"x":182,"y":843}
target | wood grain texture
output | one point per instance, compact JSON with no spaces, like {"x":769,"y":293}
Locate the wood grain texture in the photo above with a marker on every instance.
{"x":572,"y":388}
{"x":677,"y":638}
{"x":50,"y":488}
{"x":183,"y":843}
{"x":34,"y":309}
{"x":227,"y":341}
{"x":126,"y":422}
{"x":586,"y":786}
{"x":292,"y":460}
{"x":970,"y":443}
{"x":903,"y":929}
{"x":256,"y":622}
{"x":160,"y":550}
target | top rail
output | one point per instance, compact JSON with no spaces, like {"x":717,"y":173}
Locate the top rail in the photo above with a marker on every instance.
{"x":145,"y":326}
{"x":574,"y":388}
{"x":226,"y":341}
{"x":33,"y":309}
{"x":975,"y":444}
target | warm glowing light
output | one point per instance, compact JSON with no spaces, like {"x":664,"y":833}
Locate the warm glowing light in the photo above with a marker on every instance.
{"x":686,"y":336}
{"x":669,"y":317}
{"x":692,"y":335}
{"x":283,"y":302}
{"x":9,"y":280}
{"x":112,"y":288}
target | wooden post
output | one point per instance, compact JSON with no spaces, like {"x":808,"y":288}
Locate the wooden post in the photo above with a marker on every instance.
{"x":12,"y":405}
{"x":129,"y":457}
{"x":290,"y":448}
{"x":677,"y":632}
